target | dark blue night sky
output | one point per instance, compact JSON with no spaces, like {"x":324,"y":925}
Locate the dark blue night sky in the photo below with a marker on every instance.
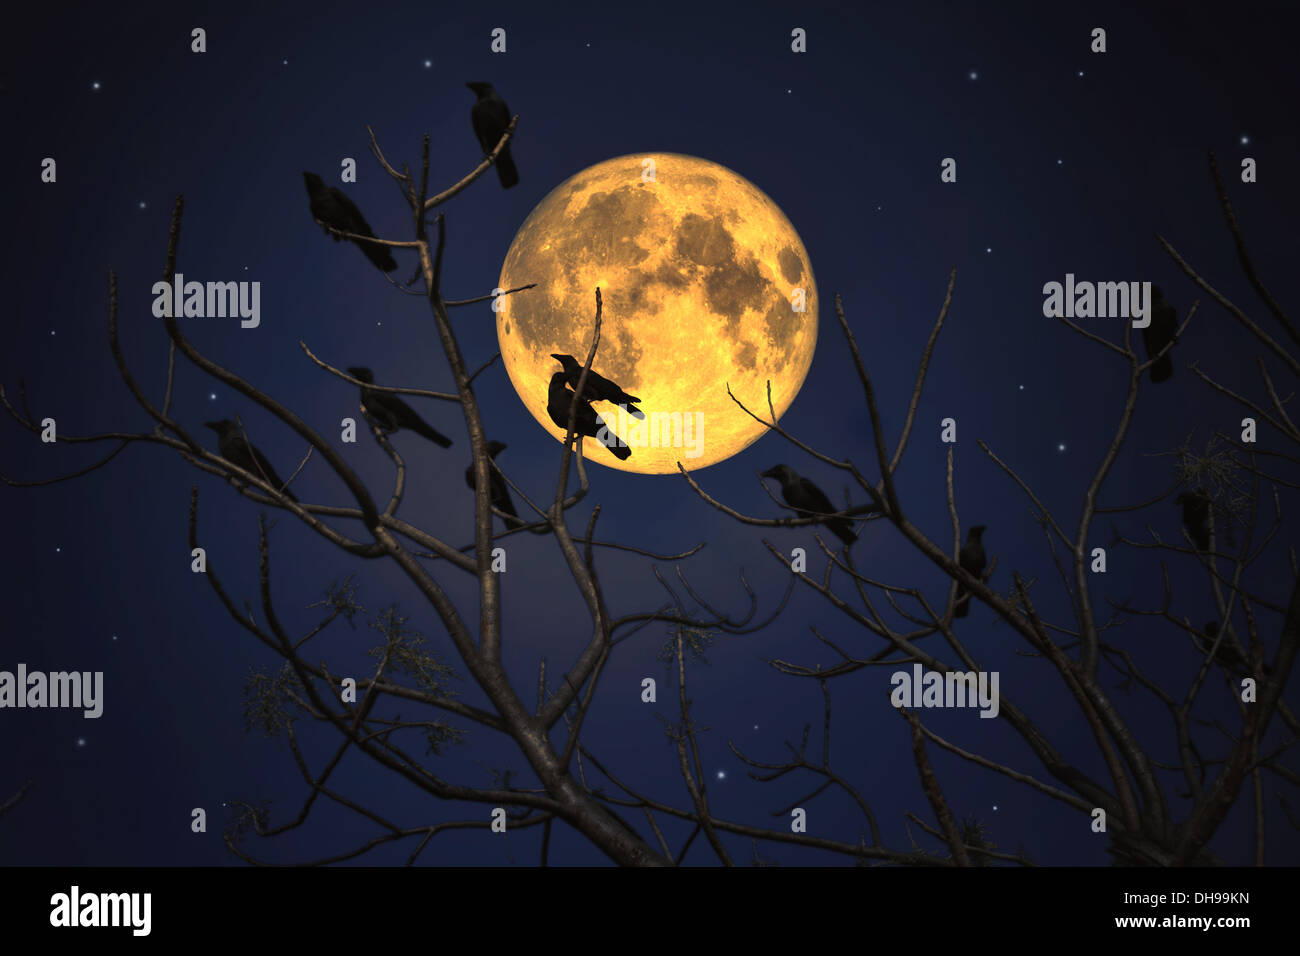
{"x":1068,"y":162}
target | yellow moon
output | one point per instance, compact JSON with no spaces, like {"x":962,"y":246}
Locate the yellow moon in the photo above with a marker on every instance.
{"x":701,"y":276}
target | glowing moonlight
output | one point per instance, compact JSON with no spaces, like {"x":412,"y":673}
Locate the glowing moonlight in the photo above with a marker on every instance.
{"x":699,"y":271}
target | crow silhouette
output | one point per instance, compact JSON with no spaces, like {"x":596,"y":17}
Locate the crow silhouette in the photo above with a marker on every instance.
{"x":973,"y":560}
{"x":332,"y":207}
{"x":497,"y":487}
{"x":805,"y":497}
{"x":1196,"y":517}
{"x":585,"y":422}
{"x":237,"y":450}
{"x":1162,"y":330}
{"x":491,"y":117}
{"x":391,"y":413}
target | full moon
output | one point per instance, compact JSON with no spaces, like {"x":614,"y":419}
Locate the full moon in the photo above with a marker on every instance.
{"x":705,"y":284}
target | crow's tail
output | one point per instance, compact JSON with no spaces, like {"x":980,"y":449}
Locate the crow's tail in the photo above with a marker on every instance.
{"x":438,"y":438}
{"x":506,"y":169}
{"x":379,"y":255}
{"x":962,"y":607}
{"x":507,"y":505}
{"x":842,"y":529}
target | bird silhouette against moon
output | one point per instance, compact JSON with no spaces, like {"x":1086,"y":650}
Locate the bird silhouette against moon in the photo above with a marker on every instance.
{"x":698,"y":270}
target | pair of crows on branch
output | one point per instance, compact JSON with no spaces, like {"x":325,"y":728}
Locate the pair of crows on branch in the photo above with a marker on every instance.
{"x":387,"y":411}
{"x":560,"y":397}
{"x":332,"y":208}
{"x":390,"y":414}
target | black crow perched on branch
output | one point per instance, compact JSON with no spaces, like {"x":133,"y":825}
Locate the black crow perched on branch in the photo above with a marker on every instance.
{"x":597,"y":387}
{"x":585,"y":420}
{"x":497,"y":487}
{"x":1196,"y":517}
{"x":1162,"y":330}
{"x":973,"y":560}
{"x":805,"y":497}
{"x":491,"y":117}
{"x":391,"y":413}
{"x":332,"y":207}
{"x":238,"y":450}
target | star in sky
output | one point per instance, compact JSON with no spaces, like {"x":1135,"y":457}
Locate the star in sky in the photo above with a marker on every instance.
{"x":988,"y":248}
{"x":285,"y":62}
{"x":1081,"y":72}
{"x":428,"y":64}
{"x":114,"y":637}
{"x":51,"y":331}
{"x":1059,"y":161}
{"x":1022,"y":388}
{"x":142,"y":204}
{"x":973,"y":74}
{"x":95,"y":85}
{"x":1245,"y":140}
{"x":81,"y":741}
{"x":1060,"y":446}
{"x":722,"y":775}
{"x":212,"y":396}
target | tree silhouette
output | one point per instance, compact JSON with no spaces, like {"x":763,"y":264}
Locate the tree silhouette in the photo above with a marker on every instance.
{"x":1144,"y":828}
{"x":572,"y":784}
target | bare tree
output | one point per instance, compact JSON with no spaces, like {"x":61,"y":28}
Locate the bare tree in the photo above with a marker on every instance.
{"x":1144,"y":826}
{"x":572,"y":784}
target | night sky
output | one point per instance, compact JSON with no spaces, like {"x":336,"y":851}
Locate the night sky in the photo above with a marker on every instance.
{"x":1068,"y":162}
